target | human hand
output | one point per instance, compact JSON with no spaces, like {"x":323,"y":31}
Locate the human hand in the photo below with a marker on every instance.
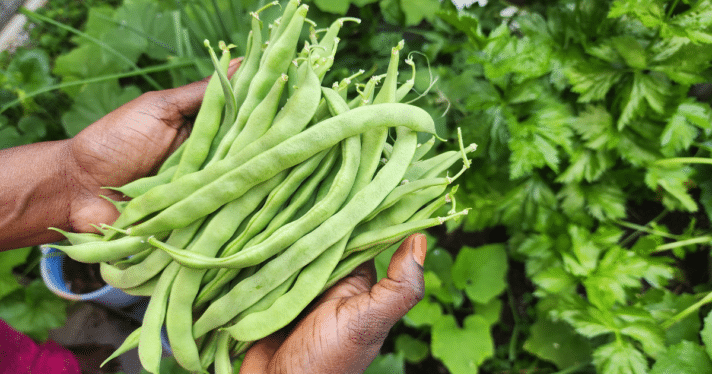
{"x":129,"y":143}
{"x":346,"y":327}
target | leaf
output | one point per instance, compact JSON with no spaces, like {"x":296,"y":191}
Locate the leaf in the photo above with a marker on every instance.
{"x":645,"y":88}
{"x":650,"y":336}
{"x":557,"y":342}
{"x":439,"y":261}
{"x":650,"y":13}
{"x":410,"y":348}
{"x":33,"y":310}
{"x":603,"y":200}
{"x":618,"y":271}
{"x":672,"y":185}
{"x":663,"y":305}
{"x":466,"y":22}
{"x":490,"y":311}
{"x":29,"y":70}
{"x":8,"y":261}
{"x":94,"y":102}
{"x":386,"y":364}
{"x":333,"y":6}
{"x":424,"y":313}
{"x":595,"y":126}
{"x":706,"y":334}
{"x":630,"y":49}
{"x":682,"y":127}
{"x":447,"y":343}
{"x":417,"y":10}
{"x":592,"y":80}
{"x":554,"y":280}
{"x":529,"y":204}
{"x":587,"y":165}
{"x":481,"y":272}
{"x":683,"y":358}
{"x":619,"y":357}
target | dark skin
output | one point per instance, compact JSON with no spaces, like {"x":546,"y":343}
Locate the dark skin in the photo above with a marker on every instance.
{"x":58,"y":184}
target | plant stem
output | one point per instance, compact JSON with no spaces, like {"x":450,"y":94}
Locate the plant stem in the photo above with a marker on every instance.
{"x":691,"y":309}
{"x":639,"y":228}
{"x":684,"y":160}
{"x":94,"y":40}
{"x":682,"y":243}
{"x":148,"y":70}
{"x":671,"y":9}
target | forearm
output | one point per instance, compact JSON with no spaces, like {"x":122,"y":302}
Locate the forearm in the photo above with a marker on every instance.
{"x":36,"y":193}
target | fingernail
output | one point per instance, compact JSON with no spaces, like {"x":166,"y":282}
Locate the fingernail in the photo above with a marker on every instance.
{"x":420,"y":248}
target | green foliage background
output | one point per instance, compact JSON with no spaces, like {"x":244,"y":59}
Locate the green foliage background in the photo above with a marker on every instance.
{"x":587,"y":246}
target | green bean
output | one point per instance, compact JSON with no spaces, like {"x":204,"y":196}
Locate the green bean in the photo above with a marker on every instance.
{"x":79,"y":238}
{"x":286,"y":308}
{"x":228,"y":94}
{"x":276,"y":62}
{"x":138,"y":274}
{"x":140,"y":186}
{"x":289,"y":121}
{"x":279,"y":196}
{"x":207,"y":351}
{"x":185,"y":288}
{"x":104,"y":251}
{"x":205,"y":126}
{"x":287,"y":234}
{"x":351,"y":262}
{"x":327,"y":41}
{"x":423,"y":149}
{"x":222,"y":354}
{"x":118,"y":205}
{"x":417,"y":169}
{"x":134,"y":275}
{"x":405,"y":88}
{"x":443,"y":166}
{"x":133,"y":260}
{"x":304,"y":250}
{"x":281,"y":236}
{"x":173,"y":159}
{"x":145,"y":289}
{"x":402,"y":210}
{"x":149,"y":346}
{"x":395,"y":233}
{"x":129,"y":343}
{"x":282,"y":23}
{"x":430,"y":209}
{"x":261,"y":117}
{"x":269,"y":299}
{"x":288,"y":153}
{"x":365,"y":97}
{"x":405,"y":189}
{"x":373,"y":139}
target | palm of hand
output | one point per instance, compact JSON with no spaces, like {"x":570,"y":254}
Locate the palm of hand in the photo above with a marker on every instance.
{"x":127,"y":144}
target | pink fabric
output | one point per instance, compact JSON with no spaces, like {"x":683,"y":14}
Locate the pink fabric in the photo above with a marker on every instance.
{"x":21,"y":355}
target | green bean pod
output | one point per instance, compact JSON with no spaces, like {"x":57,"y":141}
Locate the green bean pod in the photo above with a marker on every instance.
{"x":219,"y":228}
{"x":205,"y":126}
{"x":79,"y":238}
{"x":104,"y":251}
{"x":307,"y":248}
{"x":142,"y":185}
{"x":261,"y":117}
{"x":292,"y":119}
{"x":222,"y":354}
{"x":423,"y":149}
{"x":288,"y":153}
{"x":129,"y":343}
{"x":286,"y":308}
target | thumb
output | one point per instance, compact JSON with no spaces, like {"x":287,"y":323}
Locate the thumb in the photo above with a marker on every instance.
{"x":403,"y":286}
{"x":392,"y":297}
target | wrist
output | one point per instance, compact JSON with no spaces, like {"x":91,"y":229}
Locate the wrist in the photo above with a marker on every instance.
{"x":37,"y":193}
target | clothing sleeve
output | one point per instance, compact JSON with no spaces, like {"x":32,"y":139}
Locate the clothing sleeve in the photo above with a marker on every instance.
{"x":19,"y":354}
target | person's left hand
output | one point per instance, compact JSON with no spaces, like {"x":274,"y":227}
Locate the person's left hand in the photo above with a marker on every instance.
{"x":345,"y":329}
{"x":129,"y":143}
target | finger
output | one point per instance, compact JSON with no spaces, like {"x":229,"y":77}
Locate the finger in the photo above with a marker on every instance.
{"x":258,"y":357}
{"x":392,"y":297}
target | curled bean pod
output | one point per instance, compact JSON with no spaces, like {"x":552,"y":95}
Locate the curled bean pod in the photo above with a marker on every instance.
{"x":78,"y":238}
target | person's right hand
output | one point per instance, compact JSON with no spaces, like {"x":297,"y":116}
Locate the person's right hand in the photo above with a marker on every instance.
{"x":345,"y":329}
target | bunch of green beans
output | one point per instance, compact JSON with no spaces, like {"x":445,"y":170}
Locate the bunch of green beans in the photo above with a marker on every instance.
{"x":284,"y":186}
